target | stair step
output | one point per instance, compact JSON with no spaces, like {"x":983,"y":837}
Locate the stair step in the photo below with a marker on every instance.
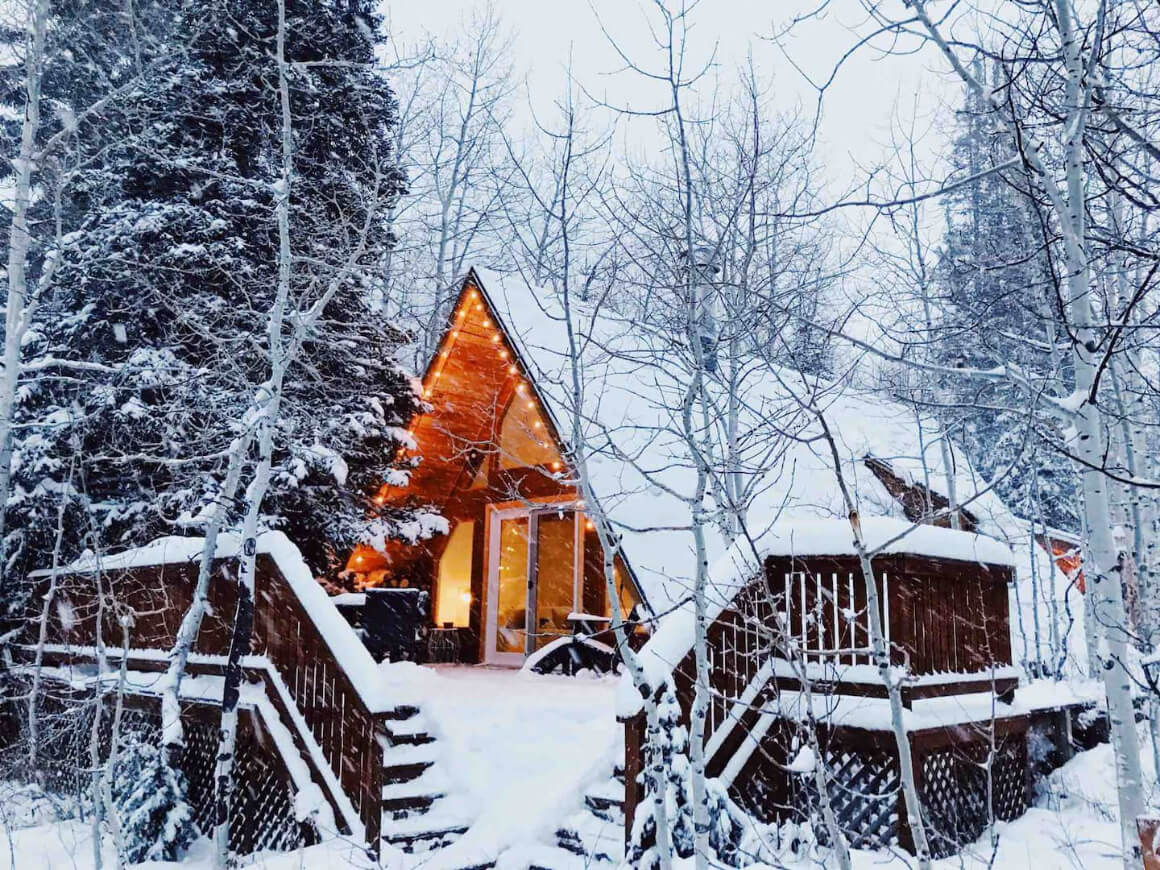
{"x":411,"y":725}
{"x":410,"y":753}
{"x":395,"y":774}
{"x":430,"y":781}
{"x":423,"y":840}
{"x":592,"y":838}
{"x":418,"y":739}
{"x":612,"y":815}
{"x":570,"y":841}
{"x":610,"y":790}
{"x":412,"y":805}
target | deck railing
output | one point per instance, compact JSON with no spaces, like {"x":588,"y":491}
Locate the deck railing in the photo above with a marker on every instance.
{"x":945,"y":621}
{"x":327,"y":676}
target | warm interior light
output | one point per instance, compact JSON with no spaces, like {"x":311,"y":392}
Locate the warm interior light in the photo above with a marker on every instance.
{"x":589,"y":525}
{"x":465,"y":597}
{"x":487,"y":323}
{"x":531,"y":404}
{"x":495,"y":338}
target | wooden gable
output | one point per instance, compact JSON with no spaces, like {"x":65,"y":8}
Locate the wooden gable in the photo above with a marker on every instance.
{"x":486,"y":438}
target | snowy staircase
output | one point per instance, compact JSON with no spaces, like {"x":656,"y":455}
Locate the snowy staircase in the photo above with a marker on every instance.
{"x":593,"y":836}
{"x":418,"y":813}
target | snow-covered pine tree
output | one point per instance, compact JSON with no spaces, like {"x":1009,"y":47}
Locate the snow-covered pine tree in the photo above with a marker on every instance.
{"x":998,"y":296}
{"x":668,"y":751}
{"x":169,"y":268}
{"x":156,"y":822}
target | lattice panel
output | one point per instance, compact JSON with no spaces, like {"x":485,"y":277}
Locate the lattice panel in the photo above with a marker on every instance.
{"x":863,"y":791}
{"x":954,"y":798}
{"x":198,"y":760}
{"x":954,"y":791}
{"x":65,"y":735}
{"x":263,"y":797}
{"x":1010,"y":780}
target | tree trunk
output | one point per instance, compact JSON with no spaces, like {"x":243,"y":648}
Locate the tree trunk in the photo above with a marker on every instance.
{"x":267,"y":416}
{"x":18,"y":310}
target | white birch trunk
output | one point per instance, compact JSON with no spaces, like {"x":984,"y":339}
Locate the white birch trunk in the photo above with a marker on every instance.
{"x":1106,"y":612}
{"x":19,"y":310}
{"x":881,"y":656}
{"x":255,"y":493}
{"x":96,"y":773}
{"x":171,"y":729}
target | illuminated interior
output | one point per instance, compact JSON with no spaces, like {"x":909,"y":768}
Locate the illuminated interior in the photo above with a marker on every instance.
{"x":511,"y":606}
{"x":453,"y":591}
{"x":537,"y":583}
{"x":555,"y":575}
{"x":523,"y":436}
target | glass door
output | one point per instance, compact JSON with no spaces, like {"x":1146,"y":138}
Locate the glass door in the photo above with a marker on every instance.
{"x":534,"y":568}
{"x":554,"y":589}
{"x":512,"y":583}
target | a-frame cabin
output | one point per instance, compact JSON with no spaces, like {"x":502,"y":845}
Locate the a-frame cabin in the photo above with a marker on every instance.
{"x":520,"y":558}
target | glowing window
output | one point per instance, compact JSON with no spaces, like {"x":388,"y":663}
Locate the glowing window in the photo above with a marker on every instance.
{"x":453,"y":599}
{"x":523,"y":436}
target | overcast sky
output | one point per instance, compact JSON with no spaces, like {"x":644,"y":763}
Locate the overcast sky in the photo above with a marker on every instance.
{"x":857,"y":110}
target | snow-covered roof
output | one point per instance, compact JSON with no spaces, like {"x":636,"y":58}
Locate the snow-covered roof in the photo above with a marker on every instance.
{"x":638,"y":463}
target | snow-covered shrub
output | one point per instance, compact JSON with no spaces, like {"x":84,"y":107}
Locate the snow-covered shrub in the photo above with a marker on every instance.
{"x":735,"y":839}
{"x":149,"y":797}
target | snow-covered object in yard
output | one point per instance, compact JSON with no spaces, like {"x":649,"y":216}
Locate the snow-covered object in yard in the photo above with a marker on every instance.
{"x":345,"y":645}
{"x":637,"y":461}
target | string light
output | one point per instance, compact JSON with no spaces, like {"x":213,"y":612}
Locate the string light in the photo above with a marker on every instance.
{"x":495,"y":338}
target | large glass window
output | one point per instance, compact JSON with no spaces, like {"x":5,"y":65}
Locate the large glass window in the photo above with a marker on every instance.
{"x":547,"y":564}
{"x":453,"y":595}
{"x":524,"y":440}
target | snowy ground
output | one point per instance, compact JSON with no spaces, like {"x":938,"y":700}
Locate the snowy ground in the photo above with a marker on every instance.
{"x":520,"y":748}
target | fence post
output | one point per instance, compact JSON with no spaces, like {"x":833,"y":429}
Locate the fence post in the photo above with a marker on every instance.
{"x":634,"y":729}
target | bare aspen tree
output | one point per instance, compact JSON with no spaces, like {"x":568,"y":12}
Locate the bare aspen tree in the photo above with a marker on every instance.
{"x":20,"y":303}
{"x":1057,"y":160}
